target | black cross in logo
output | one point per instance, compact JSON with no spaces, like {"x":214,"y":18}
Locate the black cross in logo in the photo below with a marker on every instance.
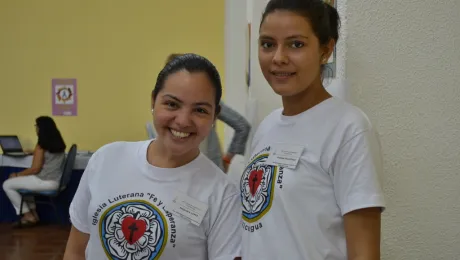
{"x":254,"y":180}
{"x":133,"y":228}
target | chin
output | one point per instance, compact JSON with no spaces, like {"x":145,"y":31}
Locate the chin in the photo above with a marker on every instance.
{"x":180,"y":146}
{"x":180,"y":151}
{"x":284,"y":91}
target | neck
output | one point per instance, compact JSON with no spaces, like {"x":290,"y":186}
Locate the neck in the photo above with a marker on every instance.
{"x":312,"y":96}
{"x":159,"y":156}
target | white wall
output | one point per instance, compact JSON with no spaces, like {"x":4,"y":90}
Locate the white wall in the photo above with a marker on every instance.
{"x":235,"y":56}
{"x":236,"y":93}
{"x":403,"y":61}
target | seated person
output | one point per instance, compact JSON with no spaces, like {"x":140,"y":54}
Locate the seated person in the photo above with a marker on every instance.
{"x":43,"y":175}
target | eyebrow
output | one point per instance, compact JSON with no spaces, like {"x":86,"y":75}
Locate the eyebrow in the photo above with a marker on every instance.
{"x":180,"y":101}
{"x":266,"y":37}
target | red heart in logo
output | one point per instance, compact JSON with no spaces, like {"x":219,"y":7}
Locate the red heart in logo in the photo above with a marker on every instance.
{"x":133,"y":229}
{"x":255,"y":177}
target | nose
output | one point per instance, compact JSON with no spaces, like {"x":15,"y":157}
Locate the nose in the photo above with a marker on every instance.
{"x":280,"y":57}
{"x":183,"y":119}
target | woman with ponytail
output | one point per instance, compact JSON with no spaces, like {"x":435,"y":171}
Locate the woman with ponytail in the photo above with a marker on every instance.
{"x":311,"y":188}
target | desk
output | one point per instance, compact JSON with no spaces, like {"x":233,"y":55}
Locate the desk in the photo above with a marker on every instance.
{"x":9,"y":165}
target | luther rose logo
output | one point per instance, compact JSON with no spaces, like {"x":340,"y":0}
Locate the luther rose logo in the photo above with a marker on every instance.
{"x":133,"y":230}
{"x":257,"y":188}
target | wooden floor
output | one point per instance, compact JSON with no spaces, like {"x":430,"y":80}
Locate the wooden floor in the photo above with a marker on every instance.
{"x":37,"y":243}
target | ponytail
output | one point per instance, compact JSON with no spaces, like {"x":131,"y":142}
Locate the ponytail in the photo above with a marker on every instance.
{"x":333,"y":20}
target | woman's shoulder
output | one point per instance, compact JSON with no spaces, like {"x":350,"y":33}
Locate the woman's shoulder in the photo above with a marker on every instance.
{"x":211,"y":177}
{"x":119,"y":146}
{"x":352,"y":117}
{"x":116,"y":150}
{"x":54,"y":154}
{"x":269,"y":120}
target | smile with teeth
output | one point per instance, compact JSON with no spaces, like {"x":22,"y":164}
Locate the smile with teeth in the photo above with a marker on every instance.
{"x":282,"y":74}
{"x":179,"y":134}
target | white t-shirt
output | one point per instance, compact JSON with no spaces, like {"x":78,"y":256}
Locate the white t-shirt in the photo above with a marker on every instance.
{"x":125,"y":203}
{"x":297,"y":214}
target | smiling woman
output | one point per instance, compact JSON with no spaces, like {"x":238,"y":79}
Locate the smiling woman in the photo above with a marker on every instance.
{"x":210,"y":146}
{"x":314,"y":162}
{"x":179,"y":203}
{"x":185,"y":103}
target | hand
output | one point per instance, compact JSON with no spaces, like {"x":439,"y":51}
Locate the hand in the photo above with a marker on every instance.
{"x":226,"y":160}
{"x":226,"y":165}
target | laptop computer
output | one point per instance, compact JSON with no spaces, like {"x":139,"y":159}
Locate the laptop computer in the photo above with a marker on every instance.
{"x":11,"y":146}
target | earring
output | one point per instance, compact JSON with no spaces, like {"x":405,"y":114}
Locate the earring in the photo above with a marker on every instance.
{"x":151,"y":110}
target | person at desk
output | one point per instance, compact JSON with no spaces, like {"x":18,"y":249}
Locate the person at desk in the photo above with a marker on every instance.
{"x":161,"y":198}
{"x":45,"y":172}
{"x":211,"y":145}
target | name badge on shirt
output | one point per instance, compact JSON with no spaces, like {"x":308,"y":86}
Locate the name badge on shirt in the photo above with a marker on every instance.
{"x":189,"y":208}
{"x":285,"y":155}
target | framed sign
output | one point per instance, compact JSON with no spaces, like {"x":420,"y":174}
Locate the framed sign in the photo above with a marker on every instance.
{"x":64,"y":99}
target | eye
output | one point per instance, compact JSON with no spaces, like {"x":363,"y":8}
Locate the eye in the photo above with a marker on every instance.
{"x":266,"y":45}
{"x":297,"y":44}
{"x":201,"y":110}
{"x":171,"y":105}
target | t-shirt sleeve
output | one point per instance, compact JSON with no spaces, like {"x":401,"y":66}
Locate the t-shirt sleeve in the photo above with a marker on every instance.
{"x":224,"y":239}
{"x":356,"y":171}
{"x":78,"y":210}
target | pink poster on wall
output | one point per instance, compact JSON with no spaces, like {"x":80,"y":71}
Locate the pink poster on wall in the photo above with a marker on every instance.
{"x":64,"y":99}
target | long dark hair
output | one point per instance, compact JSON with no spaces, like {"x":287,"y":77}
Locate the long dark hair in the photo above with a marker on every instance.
{"x":49,"y":137}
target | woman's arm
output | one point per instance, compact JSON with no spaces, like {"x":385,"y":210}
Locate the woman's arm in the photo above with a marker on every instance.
{"x":242,"y":129}
{"x":224,"y":237}
{"x":362,"y":230}
{"x":357,"y":188}
{"x":76,"y":245}
{"x":37,"y":162}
